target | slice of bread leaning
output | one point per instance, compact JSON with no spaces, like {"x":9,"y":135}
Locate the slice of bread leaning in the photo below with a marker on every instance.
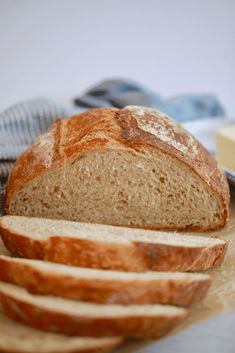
{"x":18,"y":338}
{"x":109,"y":247}
{"x":104,"y":286}
{"x":127,"y":167}
{"x":85,"y":319}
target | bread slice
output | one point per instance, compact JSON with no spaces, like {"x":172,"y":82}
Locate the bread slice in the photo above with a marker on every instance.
{"x":108,"y":247}
{"x":85,"y":319}
{"x":104,"y":286}
{"x":127,"y":167}
{"x":18,"y":338}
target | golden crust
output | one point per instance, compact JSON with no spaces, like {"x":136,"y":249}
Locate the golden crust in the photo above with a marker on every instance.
{"x":182,"y":292}
{"x":111,"y":128}
{"x":132,"y":256}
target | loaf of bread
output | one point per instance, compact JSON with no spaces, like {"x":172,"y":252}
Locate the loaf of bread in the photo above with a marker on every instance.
{"x":109,"y":247}
{"x":86,"y":319}
{"x":19,"y":338}
{"x":104,"y":286}
{"x":127,"y":167}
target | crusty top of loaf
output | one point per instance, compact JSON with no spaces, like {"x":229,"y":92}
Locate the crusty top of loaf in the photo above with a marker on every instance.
{"x":132,"y":127}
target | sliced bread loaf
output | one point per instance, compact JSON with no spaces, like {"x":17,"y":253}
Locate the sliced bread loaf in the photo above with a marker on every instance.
{"x":104,"y":286}
{"x":129,"y":167}
{"x":86,"y":319}
{"x":18,"y":338}
{"x":108,"y":247}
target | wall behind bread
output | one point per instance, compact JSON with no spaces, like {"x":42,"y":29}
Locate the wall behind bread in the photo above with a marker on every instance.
{"x":60,"y":47}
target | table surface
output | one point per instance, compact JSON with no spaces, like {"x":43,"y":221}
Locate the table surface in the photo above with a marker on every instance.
{"x":215,"y":335}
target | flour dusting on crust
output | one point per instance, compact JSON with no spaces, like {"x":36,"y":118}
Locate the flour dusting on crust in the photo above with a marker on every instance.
{"x":165,"y":129}
{"x":44,"y":148}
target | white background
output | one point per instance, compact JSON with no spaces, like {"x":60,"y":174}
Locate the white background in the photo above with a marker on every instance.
{"x":59,"y":48}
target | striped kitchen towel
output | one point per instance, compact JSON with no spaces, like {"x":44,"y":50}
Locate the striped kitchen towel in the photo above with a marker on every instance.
{"x":23,"y":122}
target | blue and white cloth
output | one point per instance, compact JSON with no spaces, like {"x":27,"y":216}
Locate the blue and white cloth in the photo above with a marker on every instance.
{"x":23,"y":122}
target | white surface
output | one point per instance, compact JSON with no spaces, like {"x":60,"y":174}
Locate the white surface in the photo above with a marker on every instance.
{"x":60,"y":47}
{"x":213,"y":336}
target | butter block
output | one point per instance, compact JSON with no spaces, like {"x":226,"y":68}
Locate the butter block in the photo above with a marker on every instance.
{"x":225,"y":147}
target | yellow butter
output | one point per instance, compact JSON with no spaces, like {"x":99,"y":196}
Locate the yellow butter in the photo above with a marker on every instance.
{"x":225,"y":147}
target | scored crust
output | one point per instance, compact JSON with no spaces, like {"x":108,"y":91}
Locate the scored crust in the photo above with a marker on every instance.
{"x":130,"y":128}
